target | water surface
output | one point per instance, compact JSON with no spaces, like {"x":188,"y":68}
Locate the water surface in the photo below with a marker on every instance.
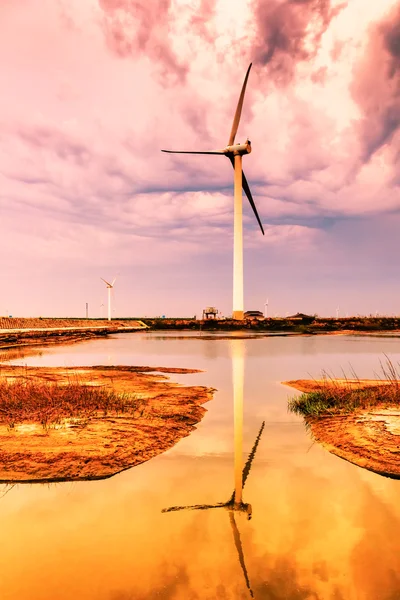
{"x":321,"y":528}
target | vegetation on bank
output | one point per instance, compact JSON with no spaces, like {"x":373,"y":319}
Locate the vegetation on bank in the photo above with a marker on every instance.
{"x":49,"y":404}
{"x":307,"y":324}
{"x":343,"y":396}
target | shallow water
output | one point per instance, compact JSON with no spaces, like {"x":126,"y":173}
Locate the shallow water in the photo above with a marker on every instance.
{"x":320,"y":528}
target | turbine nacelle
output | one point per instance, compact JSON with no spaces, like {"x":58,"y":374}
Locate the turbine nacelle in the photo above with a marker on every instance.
{"x":238,"y":149}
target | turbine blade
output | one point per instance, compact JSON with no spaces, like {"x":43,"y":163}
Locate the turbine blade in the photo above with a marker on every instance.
{"x":250,"y":198}
{"x":186,"y":152}
{"x":247,"y":191}
{"x":238,"y":112}
{"x":105,"y":281}
{"x":114,"y":280}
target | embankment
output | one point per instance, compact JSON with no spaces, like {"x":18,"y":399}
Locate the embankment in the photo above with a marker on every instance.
{"x":16,"y":332}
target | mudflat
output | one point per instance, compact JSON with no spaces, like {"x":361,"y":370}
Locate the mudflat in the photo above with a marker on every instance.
{"x":368,"y":437}
{"x":106,"y":442}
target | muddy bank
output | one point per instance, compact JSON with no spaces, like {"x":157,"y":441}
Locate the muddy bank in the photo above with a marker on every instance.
{"x":28,"y":339}
{"x":21,"y":333}
{"x":18,"y":323}
{"x":367,"y":437}
{"x":105,"y":444}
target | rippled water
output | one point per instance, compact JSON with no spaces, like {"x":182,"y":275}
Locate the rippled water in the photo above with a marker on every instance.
{"x":321,"y":528}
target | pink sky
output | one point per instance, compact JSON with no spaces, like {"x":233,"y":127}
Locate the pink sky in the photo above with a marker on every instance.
{"x":92,"y":90}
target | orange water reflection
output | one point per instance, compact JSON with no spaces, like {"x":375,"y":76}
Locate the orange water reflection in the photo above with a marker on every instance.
{"x":320,"y":529}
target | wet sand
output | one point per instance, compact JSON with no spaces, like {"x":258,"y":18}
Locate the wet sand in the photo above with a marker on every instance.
{"x":104,"y":445}
{"x":368,"y":438}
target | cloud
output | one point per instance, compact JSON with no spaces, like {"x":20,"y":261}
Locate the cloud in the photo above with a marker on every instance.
{"x":376,"y":85}
{"x":289,"y":32}
{"x":138,"y":27}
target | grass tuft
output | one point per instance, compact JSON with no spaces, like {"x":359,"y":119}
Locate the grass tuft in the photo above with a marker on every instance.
{"x":30,"y":401}
{"x":334,"y":397}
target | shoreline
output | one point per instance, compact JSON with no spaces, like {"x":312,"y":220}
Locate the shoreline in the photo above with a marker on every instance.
{"x":42,"y":337}
{"x":35,"y":336}
{"x":107,"y":443}
{"x":366,"y":437}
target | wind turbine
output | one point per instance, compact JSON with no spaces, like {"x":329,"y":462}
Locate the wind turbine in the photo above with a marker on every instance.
{"x":235,"y":152}
{"x":109,"y":288}
{"x":266,"y":309}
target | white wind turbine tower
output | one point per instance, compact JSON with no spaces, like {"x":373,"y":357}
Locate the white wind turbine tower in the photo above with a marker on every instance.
{"x":109,"y":288}
{"x":266,"y":309}
{"x":235,"y":152}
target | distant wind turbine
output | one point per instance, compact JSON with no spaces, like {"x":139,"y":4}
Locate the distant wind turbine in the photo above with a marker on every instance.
{"x":109,"y":288}
{"x":266,"y":309}
{"x":235,"y":152}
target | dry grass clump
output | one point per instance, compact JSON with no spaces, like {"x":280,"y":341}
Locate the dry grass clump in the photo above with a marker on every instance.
{"x":29,"y":401}
{"x":346,"y":395}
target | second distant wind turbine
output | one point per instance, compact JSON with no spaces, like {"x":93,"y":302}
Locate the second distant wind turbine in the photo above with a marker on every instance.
{"x":109,"y":288}
{"x":235,"y":152}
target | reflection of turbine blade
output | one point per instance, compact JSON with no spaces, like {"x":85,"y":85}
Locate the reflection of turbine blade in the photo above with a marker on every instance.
{"x":252,"y":454}
{"x":239,"y":548}
{"x":247,"y":466}
{"x":195,"y":507}
{"x":230,"y":504}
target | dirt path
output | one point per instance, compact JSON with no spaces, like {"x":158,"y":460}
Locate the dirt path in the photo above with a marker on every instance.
{"x":107,"y":444}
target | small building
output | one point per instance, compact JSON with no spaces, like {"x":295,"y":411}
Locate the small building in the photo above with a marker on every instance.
{"x":302,"y":317}
{"x":253,"y":314}
{"x":210,"y":312}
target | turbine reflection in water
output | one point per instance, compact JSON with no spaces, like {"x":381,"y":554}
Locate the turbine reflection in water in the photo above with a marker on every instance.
{"x":235,"y":503}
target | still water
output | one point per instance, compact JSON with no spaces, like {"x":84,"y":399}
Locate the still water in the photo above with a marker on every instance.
{"x":321,"y":528}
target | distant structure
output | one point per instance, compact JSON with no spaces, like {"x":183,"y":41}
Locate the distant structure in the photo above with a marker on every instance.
{"x":109,"y":288}
{"x":210,"y":312}
{"x":253,"y":314}
{"x":235,"y":152}
{"x":301,"y":317}
{"x":266,"y":309}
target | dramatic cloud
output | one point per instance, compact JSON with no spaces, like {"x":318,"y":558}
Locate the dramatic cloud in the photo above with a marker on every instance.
{"x":376,"y":86}
{"x":290,"y":31}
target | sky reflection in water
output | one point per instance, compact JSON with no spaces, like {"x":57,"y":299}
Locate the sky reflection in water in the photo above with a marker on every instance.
{"x":320,"y":527}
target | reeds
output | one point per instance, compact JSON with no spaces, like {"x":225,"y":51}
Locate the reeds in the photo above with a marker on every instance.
{"x":50,"y":404}
{"x":340,"y":396}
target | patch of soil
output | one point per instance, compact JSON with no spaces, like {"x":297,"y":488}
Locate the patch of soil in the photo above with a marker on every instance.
{"x":368,"y":438}
{"x":313,"y":385}
{"x":105,"y":445}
